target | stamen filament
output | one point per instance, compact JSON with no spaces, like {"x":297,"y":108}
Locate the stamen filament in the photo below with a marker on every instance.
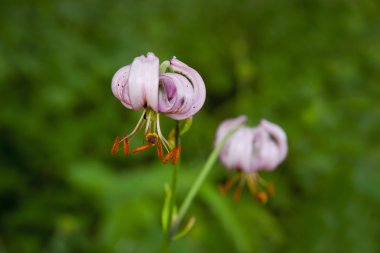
{"x":162,"y":138}
{"x":230,"y":182}
{"x":237,"y":192}
{"x":115,"y":146}
{"x":126,"y":146}
{"x":139,"y":125}
{"x":251,"y":185}
{"x":147,"y":128}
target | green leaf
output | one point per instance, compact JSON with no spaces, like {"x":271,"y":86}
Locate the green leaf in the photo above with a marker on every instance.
{"x":186,"y":126}
{"x":228,"y":219}
{"x":186,"y":230}
{"x":166,"y":207}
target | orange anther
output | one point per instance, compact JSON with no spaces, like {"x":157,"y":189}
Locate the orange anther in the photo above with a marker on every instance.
{"x":115,"y":146}
{"x":159,"y":150}
{"x":262,"y":197}
{"x":126,"y":145}
{"x":169,"y":155}
{"x":230,"y":182}
{"x":237,"y":192}
{"x":142,"y":148}
{"x":176,"y":154}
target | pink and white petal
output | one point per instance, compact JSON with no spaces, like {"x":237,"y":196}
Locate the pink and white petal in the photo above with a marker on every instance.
{"x":227,"y":126}
{"x":236,"y":153}
{"x":152,"y":83}
{"x":279,"y":136}
{"x":196,"y":81}
{"x":175,"y":96}
{"x":143,"y":82}
{"x":269,"y":155}
{"x":119,"y":83}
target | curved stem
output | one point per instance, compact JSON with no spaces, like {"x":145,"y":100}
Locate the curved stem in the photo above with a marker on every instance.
{"x":201,"y":177}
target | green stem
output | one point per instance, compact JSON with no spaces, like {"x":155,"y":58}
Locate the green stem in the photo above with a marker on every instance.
{"x":168,"y":233}
{"x":201,"y":178}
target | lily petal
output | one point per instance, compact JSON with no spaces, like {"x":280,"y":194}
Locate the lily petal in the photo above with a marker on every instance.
{"x":278,"y":135}
{"x":265,"y":153}
{"x":199,"y":89}
{"x":236,"y":152}
{"x":226,"y":126}
{"x":175,"y":96}
{"x":120,"y":83}
{"x":143,"y":82}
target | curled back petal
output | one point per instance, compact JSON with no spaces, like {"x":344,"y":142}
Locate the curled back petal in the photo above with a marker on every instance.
{"x":279,"y":137}
{"x":199,"y":89}
{"x":120,"y":83}
{"x":226,"y":126}
{"x":265,"y":153}
{"x":176,"y":96}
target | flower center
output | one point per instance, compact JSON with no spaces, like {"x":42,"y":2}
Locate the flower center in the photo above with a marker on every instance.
{"x":155,"y":138}
{"x":257,"y":186}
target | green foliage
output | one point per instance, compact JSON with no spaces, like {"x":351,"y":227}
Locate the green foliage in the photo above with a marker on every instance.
{"x":310,"y":66}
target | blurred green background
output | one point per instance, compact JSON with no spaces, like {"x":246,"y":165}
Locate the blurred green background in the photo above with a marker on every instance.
{"x":313,"y":67}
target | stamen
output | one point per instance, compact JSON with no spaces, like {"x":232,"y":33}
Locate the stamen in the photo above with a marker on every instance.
{"x":115,"y":146}
{"x":142,"y":148}
{"x":165,"y":143}
{"x":176,"y":154}
{"x":147,"y":128}
{"x":251,"y":184}
{"x":139,"y":125}
{"x":262,"y":197}
{"x":237,"y":192}
{"x":159,"y":149}
{"x":169,"y":155}
{"x":126,"y":145}
{"x":230,"y":182}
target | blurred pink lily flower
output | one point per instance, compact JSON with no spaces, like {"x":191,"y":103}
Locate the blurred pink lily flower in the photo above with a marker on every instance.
{"x":179,"y":94}
{"x":251,"y":149}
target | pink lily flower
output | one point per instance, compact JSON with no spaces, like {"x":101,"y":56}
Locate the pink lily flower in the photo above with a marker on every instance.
{"x":179,"y":94}
{"x":251,"y":149}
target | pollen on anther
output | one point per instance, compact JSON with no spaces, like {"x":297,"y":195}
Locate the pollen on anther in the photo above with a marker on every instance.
{"x":142,"y":148}
{"x":169,"y":155}
{"x":159,"y":150}
{"x":176,"y":154}
{"x":115,"y":146}
{"x":262,"y":197}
